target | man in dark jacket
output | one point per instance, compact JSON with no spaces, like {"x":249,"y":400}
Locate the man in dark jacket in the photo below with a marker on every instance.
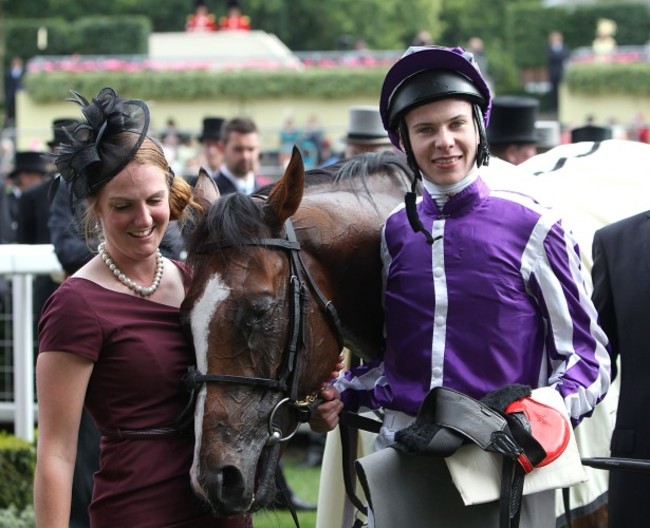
{"x":621,"y":253}
{"x":240,"y":147}
{"x":511,"y":133}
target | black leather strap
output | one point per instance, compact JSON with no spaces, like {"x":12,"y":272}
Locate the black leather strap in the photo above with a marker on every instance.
{"x":357,"y":421}
{"x":349,"y":443}
{"x":141,"y":434}
{"x":349,"y":425}
{"x":618,"y":464}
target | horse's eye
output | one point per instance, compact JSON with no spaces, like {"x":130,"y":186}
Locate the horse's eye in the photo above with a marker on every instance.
{"x":262,"y":305}
{"x":257,"y":311}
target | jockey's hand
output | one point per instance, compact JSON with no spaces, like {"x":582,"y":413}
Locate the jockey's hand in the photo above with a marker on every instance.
{"x":325,"y":417}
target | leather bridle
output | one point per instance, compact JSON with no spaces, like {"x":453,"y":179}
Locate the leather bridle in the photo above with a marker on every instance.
{"x":287,"y":382}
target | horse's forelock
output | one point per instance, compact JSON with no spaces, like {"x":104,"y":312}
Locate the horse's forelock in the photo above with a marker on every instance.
{"x":235,"y":218}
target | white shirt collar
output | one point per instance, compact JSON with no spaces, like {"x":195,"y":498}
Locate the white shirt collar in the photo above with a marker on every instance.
{"x":442,"y":193}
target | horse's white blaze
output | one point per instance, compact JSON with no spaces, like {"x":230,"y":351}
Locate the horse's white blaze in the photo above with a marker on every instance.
{"x":200,"y":316}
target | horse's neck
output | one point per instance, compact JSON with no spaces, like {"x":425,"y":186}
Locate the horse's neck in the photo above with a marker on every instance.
{"x":342,"y":240}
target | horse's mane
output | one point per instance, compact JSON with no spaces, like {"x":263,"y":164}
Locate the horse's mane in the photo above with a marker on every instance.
{"x":236,"y":217}
{"x":369,"y":164}
{"x":359,"y":167}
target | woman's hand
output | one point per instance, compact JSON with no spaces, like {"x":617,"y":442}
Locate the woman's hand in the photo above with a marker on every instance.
{"x":325,"y":417}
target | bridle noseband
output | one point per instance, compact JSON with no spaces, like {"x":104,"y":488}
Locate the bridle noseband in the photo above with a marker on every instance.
{"x":287,"y":383}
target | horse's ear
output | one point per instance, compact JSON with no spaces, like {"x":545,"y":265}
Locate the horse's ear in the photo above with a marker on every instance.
{"x":206,"y":189}
{"x":286,"y":195}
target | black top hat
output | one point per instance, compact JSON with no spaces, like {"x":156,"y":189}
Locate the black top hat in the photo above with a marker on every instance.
{"x":513,"y":120}
{"x":60,"y":135}
{"x":590,"y":133}
{"x":30,"y":161}
{"x":211,"y":128}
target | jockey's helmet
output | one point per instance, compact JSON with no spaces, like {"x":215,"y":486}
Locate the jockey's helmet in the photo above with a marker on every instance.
{"x":428,"y":73}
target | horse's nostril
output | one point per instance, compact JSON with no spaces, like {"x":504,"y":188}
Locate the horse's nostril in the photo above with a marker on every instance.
{"x":226,"y":490}
{"x":232,"y":481}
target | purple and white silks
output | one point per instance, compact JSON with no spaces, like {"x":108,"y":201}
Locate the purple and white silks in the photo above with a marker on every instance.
{"x":497,"y":299}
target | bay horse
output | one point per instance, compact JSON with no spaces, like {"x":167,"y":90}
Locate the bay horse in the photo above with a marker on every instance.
{"x":241,"y":328}
{"x":281,"y":282}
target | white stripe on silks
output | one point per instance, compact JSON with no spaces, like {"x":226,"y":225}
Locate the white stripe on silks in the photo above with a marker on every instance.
{"x":535,"y":260}
{"x":441,"y":303}
{"x":600,"y":386}
{"x":200,"y":316}
{"x":535,"y":245}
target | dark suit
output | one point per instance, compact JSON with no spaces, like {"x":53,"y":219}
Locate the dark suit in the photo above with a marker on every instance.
{"x":557,"y":56}
{"x":224,"y":185}
{"x":6,"y":236}
{"x":6,"y":232}
{"x":64,"y":225}
{"x":33,"y":214}
{"x":12,"y":208}
{"x":621,"y":276}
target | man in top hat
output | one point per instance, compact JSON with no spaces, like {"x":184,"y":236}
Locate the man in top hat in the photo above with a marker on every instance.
{"x":34,"y":205}
{"x":211,"y":151}
{"x":590,"y":132}
{"x":549,"y":134}
{"x":366,"y":132}
{"x":30,"y":169}
{"x":511,"y":133}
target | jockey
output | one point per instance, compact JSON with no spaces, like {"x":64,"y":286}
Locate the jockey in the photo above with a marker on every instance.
{"x":482,"y":288}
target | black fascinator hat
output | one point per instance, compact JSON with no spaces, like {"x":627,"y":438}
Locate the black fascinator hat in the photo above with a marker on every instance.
{"x":104,"y":143}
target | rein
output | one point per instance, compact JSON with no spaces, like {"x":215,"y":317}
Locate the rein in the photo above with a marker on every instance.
{"x":287,"y":383}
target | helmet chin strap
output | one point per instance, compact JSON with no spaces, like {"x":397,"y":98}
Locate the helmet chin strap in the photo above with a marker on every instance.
{"x":410,"y":197}
{"x":483,"y":152}
{"x":482,"y":158}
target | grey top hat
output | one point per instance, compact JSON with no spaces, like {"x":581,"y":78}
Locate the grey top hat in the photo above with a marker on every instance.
{"x":590,"y":133}
{"x":513,"y":120}
{"x":549,"y":133}
{"x":30,"y":161}
{"x":211,"y":128}
{"x":365,"y":126}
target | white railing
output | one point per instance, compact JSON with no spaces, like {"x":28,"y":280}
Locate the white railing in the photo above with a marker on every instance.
{"x":20,"y":263}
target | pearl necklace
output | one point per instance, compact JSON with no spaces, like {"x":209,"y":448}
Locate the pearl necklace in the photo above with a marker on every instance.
{"x":143,"y":291}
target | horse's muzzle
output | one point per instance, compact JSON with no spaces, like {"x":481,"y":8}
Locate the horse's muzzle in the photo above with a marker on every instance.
{"x":232,"y":489}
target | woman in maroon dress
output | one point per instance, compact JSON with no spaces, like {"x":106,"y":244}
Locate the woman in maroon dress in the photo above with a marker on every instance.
{"x":114,"y":345}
